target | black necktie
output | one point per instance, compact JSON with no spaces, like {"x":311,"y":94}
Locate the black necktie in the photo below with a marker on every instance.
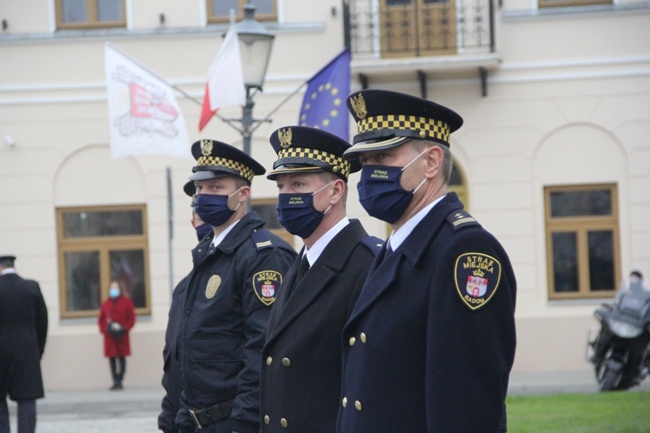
{"x":302,"y":269}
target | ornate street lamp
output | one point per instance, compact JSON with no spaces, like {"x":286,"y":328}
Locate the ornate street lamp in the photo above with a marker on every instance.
{"x":255,"y":43}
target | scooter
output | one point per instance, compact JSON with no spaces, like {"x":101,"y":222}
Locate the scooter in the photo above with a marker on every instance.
{"x":620,"y":350}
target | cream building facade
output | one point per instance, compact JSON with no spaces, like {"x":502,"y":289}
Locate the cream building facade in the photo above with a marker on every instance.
{"x":553,"y":158}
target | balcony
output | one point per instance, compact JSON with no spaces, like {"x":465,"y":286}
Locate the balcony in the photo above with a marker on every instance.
{"x":423,"y":38}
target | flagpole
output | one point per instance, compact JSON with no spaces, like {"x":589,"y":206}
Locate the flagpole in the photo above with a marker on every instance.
{"x":170,"y":232}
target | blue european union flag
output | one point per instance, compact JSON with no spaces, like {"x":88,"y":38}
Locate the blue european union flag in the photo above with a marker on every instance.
{"x":324,"y":106}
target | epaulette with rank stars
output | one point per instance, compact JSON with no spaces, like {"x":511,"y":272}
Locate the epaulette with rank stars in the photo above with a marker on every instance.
{"x":460,"y":219}
{"x":261,"y":239}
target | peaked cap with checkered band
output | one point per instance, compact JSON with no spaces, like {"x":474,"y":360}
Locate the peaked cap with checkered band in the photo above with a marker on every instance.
{"x":216,"y":159}
{"x":388,"y":119}
{"x":302,"y":149}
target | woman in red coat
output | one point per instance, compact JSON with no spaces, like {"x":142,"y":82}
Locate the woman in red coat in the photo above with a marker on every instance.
{"x":116,"y":318}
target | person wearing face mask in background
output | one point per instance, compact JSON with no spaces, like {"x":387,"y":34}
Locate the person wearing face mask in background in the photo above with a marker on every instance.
{"x":437,"y":308}
{"x":237,"y":269}
{"x":171,"y":380}
{"x":301,"y":360}
{"x":116,"y":318}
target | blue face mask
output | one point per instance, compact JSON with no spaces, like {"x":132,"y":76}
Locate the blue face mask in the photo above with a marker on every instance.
{"x":113,"y":292}
{"x":381,"y":194}
{"x":213,"y":209}
{"x":203,"y":230}
{"x":297,"y":214}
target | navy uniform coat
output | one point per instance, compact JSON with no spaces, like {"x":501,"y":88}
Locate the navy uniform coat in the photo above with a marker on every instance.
{"x":23,"y":331}
{"x":435,"y":333}
{"x":171,"y":380}
{"x":301,"y":360}
{"x":223,"y":326}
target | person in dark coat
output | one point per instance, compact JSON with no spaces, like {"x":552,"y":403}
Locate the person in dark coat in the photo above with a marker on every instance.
{"x":23,"y":331}
{"x":230,"y":290}
{"x":116,"y":318}
{"x":430,"y":343}
{"x":171,"y":380}
{"x":301,"y":369}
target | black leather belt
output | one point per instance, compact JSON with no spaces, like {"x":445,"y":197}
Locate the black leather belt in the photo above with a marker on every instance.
{"x":210,"y":415}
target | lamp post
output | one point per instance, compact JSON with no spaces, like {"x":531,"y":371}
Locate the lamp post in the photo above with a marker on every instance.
{"x":255,"y":43}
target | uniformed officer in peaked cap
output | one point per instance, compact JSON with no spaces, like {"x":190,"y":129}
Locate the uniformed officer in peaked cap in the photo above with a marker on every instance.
{"x":301,"y":360}
{"x":237,"y":270}
{"x":431,"y":339}
{"x":171,"y":379}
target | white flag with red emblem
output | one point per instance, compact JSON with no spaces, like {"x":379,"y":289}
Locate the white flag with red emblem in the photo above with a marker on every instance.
{"x":144,"y":117}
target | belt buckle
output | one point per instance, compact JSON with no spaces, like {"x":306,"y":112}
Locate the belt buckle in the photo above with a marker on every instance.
{"x":196,"y":419}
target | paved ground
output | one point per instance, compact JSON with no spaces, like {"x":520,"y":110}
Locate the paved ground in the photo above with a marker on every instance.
{"x":135,"y":410}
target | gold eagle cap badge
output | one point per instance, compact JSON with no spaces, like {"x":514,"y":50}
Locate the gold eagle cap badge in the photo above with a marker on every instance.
{"x":206,"y":147}
{"x":359,"y":106}
{"x":285,"y":136}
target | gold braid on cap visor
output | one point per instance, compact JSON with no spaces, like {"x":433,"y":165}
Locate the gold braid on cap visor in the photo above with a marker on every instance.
{"x":342,"y":166}
{"x":217,"y":162}
{"x":425,"y":127}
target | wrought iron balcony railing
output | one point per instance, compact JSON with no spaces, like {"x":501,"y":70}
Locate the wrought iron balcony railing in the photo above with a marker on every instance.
{"x":418,"y":28}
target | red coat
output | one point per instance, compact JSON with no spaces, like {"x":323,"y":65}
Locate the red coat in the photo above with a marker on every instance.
{"x":118,"y":310}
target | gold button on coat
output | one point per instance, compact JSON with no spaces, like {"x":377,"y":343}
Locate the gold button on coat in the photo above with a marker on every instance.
{"x":363,"y":337}
{"x":352,"y":341}
{"x":267,"y":420}
{"x":269,"y":360}
{"x":286,"y":362}
{"x":357,"y":405}
{"x":344,"y":402}
{"x":284,"y":422}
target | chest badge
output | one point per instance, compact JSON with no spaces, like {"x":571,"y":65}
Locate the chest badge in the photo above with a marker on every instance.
{"x":477,"y":278}
{"x":266,"y":284}
{"x":213,"y":285}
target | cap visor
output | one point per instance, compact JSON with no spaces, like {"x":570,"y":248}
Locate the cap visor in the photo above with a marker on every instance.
{"x":293,"y":170}
{"x":205,"y":175}
{"x":372,"y":146}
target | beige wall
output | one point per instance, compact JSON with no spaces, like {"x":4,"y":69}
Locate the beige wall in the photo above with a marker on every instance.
{"x":569,"y":103}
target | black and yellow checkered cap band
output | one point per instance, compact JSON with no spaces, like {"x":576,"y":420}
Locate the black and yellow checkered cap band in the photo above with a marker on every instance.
{"x":383,"y":126}
{"x":304,"y":155}
{"x":217,"y":163}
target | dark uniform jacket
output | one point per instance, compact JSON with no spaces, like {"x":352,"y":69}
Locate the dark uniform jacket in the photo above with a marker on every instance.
{"x":433,"y":332}
{"x":301,"y":370}
{"x":23,"y":331}
{"x":171,"y":379}
{"x":223,"y":326}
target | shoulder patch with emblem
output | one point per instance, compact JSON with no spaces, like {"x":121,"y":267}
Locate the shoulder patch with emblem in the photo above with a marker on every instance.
{"x":262,"y":239}
{"x":461,"y":219}
{"x":266,"y":284}
{"x":477,"y":278}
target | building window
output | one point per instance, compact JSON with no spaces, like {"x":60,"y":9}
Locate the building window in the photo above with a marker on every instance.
{"x":87,"y":14}
{"x":265,"y":208}
{"x":98,"y":245}
{"x":582,"y":241}
{"x":563,"y":3}
{"x":219,"y":10}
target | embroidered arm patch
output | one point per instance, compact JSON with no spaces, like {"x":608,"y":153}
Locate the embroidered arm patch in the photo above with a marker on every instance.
{"x":477,"y":278}
{"x":266,"y":284}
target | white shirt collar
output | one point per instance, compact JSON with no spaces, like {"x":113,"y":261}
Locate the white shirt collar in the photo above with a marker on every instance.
{"x":218,"y":239}
{"x":315,"y":251}
{"x":398,"y":236}
{"x":8,"y":271}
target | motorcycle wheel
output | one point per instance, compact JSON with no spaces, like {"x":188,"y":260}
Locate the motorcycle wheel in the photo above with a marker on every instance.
{"x":608,"y":380}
